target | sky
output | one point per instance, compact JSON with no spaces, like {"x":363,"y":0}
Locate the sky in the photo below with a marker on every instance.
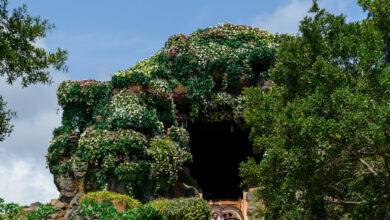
{"x":103,"y":37}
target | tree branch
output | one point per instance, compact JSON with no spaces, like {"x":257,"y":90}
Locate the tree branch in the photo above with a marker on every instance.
{"x":341,"y":202}
{"x":368,"y":167}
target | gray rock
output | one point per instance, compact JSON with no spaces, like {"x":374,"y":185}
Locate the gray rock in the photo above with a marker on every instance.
{"x":79,"y":169}
{"x":76,"y":199}
{"x":250,"y":196}
{"x":58,"y":205}
{"x":66,"y":184}
{"x":33,"y":206}
{"x":251,"y":210}
{"x":72,"y":214}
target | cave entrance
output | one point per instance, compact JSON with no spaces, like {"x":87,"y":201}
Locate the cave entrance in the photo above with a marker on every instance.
{"x":217,"y":150}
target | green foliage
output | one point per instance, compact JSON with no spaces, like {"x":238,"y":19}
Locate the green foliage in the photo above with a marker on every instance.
{"x":43,"y":212}
{"x":88,"y":92}
{"x":139,"y":73}
{"x":199,"y":61}
{"x":114,"y":153}
{"x":5,"y":117}
{"x":106,"y":210}
{"x":101,"y":196}
{"x":20,"y":58}
{"x":8,"y":210}
{"x":379,"y":15}
{"x":168,"y":158}
{"x":324,"y":127}
{"x":129,"y":111}
{"x":179,"y":135}
{"x":96,"y":210}
{"x":12,"y":211}
{"x":81,"y":100}
{"x":60,"y":146}
{"x":101,"y":206}
{"x":183,"y":208}
{"x":220,"y":107}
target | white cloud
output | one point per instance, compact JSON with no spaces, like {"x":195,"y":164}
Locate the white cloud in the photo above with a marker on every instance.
{"x":285,"y":18}
{"x":25,"y":182}
{"x":36,"y":108}
{"x":24,"y":177}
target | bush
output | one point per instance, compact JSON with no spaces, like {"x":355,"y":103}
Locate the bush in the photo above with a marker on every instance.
{"x":168,"y":158}
{"x":42,"y":212}
{"x":12,"y":211}
{"x":112,"y":197}
{"x":183,"y":208}
{"x":105,"y":210}
{"x":129,"y":111}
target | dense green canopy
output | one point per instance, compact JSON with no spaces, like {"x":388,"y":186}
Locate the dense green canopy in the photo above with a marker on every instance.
{"x":324,"y":126}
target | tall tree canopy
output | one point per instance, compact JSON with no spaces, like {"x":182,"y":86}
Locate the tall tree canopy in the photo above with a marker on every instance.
{"x":324,"y":127}
{"x":20,"y":57}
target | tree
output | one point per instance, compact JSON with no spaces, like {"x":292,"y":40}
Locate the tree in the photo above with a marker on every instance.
{"x":20,"y":58}
{"x":324,"y":127}
{"x":379,"y":14}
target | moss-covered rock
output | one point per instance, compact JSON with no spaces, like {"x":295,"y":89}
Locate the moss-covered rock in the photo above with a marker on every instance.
{"x":133,"y":136}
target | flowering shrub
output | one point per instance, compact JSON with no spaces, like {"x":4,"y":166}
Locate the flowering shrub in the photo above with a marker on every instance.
{"x":238,"y":107}
{"x":218,"y":107}
{"x":179,"y":135}
{"x":97,"y":144}
{"x":112,"y":153}
{"x":140,"y":72}
{"x":160,"y":89}
{"x":221,"y":57}
{"x":161,"y":96}
{"x":227,"y":52}
{"x":80,"y":100}
{"x":129,"y":111}
{"x":88,"y":92}
{"x":60,"y":147}
{"x":168,"y":158}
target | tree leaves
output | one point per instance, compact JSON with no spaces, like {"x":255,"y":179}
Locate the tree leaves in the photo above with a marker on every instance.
{"x":324,"y":126}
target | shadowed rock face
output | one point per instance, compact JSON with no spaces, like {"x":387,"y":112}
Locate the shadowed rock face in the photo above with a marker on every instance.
{"x":66,"y":184}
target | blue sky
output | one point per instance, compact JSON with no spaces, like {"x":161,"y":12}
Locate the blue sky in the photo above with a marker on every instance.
{"x":103,"y":37}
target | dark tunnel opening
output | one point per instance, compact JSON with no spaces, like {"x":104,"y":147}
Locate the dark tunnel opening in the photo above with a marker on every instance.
{"x":217,"y":150}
